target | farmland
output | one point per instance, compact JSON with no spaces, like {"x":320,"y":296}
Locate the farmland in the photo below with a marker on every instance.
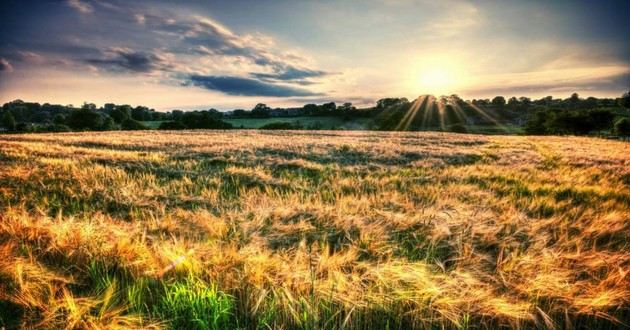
{"x":313,"y":229}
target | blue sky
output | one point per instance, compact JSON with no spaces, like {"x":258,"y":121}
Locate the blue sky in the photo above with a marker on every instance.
{"x":234,"y":54}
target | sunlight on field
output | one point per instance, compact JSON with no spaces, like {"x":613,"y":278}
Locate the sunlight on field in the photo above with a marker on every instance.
{"x":327,"y":229}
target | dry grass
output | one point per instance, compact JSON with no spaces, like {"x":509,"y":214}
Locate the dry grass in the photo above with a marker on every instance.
{"x":246,"y":229}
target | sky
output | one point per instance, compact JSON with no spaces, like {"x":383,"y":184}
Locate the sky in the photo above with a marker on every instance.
{"x":234,"y":54}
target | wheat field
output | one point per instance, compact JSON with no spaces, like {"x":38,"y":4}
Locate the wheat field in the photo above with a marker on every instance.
{"x":313,"y":230}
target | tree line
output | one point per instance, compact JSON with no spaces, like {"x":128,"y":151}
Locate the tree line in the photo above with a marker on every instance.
{"x":573,"y":115}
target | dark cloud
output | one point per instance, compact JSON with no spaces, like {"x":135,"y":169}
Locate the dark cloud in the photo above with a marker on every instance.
{"x":246,"y":86}
{"x":122,"y":59}
{"x":5,"y":66}
{"x":291,"y":73}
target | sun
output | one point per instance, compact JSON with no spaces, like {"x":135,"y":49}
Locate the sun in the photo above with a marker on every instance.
{"x":435,"y":75}
{"x":435,"y":80}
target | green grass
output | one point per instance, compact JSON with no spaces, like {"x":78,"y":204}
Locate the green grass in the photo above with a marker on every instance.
{"x":306,"y":122}
{"x":153,"y":124}
{"x":193,"y":304}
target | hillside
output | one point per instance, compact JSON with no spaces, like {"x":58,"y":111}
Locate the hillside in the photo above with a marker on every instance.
{"x":305,"y":229}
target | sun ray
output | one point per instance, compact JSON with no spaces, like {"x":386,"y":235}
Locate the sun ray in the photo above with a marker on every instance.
{"x":487,"y":116}
{"x":410,"y":114}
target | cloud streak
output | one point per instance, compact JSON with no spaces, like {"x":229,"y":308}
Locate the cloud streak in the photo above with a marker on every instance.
{"x":246,"y":86}
{"x":80,"y":6}
{"x":125,"y":59}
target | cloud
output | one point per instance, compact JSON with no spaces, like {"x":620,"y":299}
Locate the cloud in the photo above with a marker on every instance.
{"x":291,"y":73}
{"x":206,"y":37}
{"x":246,"y":86}
{"x":5,"y":66}
{"x":80,"y":6}
{"x":124,"y":59}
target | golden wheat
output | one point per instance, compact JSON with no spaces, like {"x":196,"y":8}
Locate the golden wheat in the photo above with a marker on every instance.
{"x":314,"y":229}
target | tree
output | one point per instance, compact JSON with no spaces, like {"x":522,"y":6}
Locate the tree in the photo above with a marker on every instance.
{"x":625,"y":100}
{"x":513,"y":102}
{"x":622,"y":127}
{"x":108,"y":124}
{"x":140,"y":113}
{"x":89,"y":106}
{"x":389,"y":102}
{"x":525,"y":101}
{"x":537,"y":124}
{"x":109,"y":107}
{"x":601,"y":119}
{"x":177,"y":115}
{"x":310,"y":109}
{"x":8,"y":121}
{"x":85,"y":119}
{"x":328,"y":108}
{"x":574,"y":100}
{"x":120,"y":114}
{"x":498,"y":101}
{"x":59,"y":119}
{"x":261,"y":110}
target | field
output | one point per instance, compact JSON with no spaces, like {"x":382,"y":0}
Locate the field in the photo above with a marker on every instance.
{"x":315,"y":230}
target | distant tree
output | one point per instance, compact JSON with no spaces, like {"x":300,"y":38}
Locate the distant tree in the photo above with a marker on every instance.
{"x":177,"y":115}
{"x":89,"y":106}
{"x":327,"y":108}
{"x":574,"y":100}
{"x":498,"y":101}
{"x":8,"y":121}
{"x":59,"y":119}
{"x":622,"y":127}
{"x":85,"y":119}
{"x":512,"y":102}
{"x":240,"y":113}
{"x":624,"y":101}
{"x":132,"y":125}
{"x":108,"y":124}
{"x":346,"y":107}
{"x":570,"y":122}
{"x":525,"y":101}
{"x":537,"y":124}
{"x":390,"y":102}
{"x":109,"y":107}
{"x":140,"y":113}
{"x":310,"y":109}
{"x":261,"y":110}
{"x":601,"y":119}
{"x":120,"y":114}
{"x":590,"y":102}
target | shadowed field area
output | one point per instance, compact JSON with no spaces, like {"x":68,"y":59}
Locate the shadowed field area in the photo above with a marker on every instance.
{"x":315,"y":230}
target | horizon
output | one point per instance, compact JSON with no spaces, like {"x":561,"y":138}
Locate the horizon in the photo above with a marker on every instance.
{"x":228,"y":56}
